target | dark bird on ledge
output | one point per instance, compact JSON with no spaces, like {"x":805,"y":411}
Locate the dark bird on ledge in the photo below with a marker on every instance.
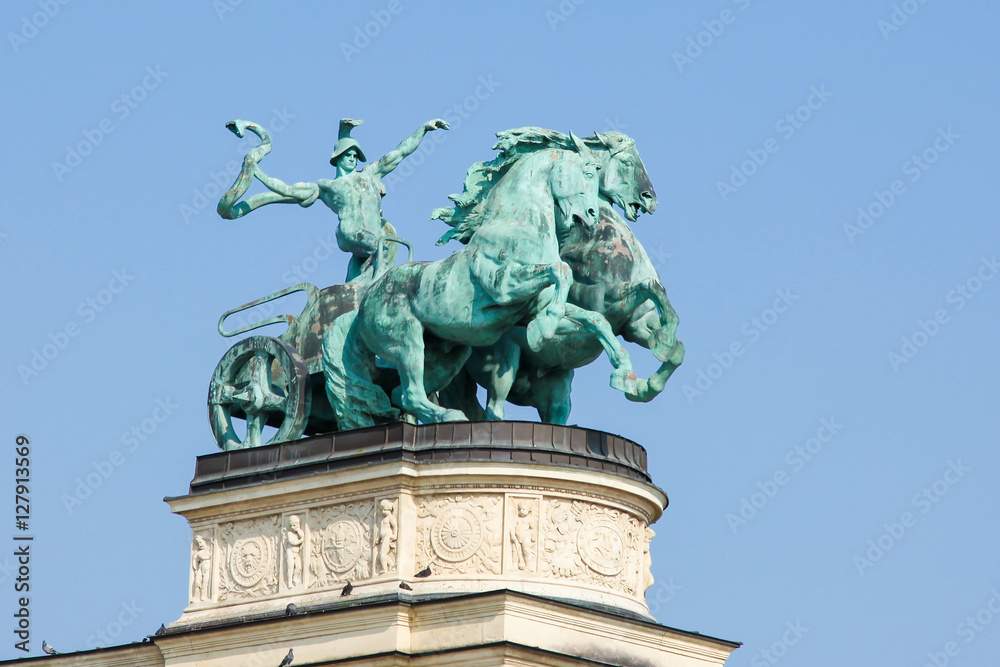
{"x":287,"y":660}
{"x":347,"y":590}
{"x":291,"y":609}
{"x":48,"y":648}
{"x":405,"y":586}
{"x":161,"y":630}
{"x":426,"y":572}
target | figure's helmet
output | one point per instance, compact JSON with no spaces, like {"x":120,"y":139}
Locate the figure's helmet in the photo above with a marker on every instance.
{"x":345,"y":141}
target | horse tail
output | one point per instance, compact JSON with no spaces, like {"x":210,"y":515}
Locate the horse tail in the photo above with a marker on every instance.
{"x":228,"y":207}
{"x":348,"y":366}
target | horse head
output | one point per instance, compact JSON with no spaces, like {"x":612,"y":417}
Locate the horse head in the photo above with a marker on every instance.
{"x":624,"y":180}
{"x":576,"y":188}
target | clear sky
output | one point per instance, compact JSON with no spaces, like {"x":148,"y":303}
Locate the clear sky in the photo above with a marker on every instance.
{"x":827,"y":231}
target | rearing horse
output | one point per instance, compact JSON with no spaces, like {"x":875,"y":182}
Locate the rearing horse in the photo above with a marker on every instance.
{"x":423,"y":318}
{"x":612,"y":275}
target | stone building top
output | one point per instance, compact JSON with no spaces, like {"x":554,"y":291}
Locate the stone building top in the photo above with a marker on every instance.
{"x":506,"y":441}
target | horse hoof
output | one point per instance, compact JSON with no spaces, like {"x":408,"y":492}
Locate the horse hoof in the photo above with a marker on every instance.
{"x":540,"y":330}
{"x":662,"y":345}
{"x":624,"y":380}
{"x":454,"y":416}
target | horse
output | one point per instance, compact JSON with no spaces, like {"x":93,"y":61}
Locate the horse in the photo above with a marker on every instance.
{"x":425,"y":318}
{"x":612,"y":276}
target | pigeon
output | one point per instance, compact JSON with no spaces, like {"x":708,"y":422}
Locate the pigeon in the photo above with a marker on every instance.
{"x":426,"y":572}
{"x":405,"y":586}
{"x":291,"y":609}
{"x":47,"y":648}
{"x":347,"y":590}
{"x":287,"y":659}
{"x":161,"y":631}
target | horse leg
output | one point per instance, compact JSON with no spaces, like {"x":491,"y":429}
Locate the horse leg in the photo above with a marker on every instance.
{"x":578,"y":319}
{"x":460,"y":394}
{"x":403,"y":347}
{"x":645,"y":332}
{"x":495,"y":368}
{"x":442,"y":362}
{"x":549,"y":284}
{"x":550,"y":395}
{"x":660,"y":339}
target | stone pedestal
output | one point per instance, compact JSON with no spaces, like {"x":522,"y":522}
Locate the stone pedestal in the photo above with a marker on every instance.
{"x":475,"y":543}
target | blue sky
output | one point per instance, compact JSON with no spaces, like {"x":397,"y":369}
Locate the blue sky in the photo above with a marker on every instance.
{"x":827,"y":210}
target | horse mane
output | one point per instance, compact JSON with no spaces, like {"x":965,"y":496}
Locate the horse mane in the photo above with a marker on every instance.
{"x":467,"y":214}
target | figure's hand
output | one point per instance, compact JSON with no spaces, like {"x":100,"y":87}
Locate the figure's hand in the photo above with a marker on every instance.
{"x":436,"y":124}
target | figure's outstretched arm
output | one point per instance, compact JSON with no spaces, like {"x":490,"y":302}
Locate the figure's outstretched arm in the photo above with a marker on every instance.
{"x":231,"y":208}
{"x":392,"y":159}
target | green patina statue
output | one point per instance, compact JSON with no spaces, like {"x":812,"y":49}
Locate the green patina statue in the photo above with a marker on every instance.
{"x":549,"y":276}
{"x":355,"y":196}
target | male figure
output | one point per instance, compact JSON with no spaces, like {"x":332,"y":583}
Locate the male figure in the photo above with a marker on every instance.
{"x":294,"y":537}
{"x":355,"y":196}
{"x":201,"y":561}
{"x":386,"y":538}
{"x":522,"y":538}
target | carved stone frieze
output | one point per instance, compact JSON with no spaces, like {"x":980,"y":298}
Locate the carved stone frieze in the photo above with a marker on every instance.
{"x":460,"y":534}
{"x":202,"y":555}
{"x":249,"y":567}
{"x":293,"y":537}
{"x":340,"y":543}
{"x":388,"y":533}
{"x":522,"y":532}
{"x":593,"y":544}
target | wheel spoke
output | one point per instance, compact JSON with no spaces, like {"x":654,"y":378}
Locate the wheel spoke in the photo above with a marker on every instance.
{"x":255,"y":424}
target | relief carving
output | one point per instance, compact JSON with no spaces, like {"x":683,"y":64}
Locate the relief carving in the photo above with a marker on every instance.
{"x":388,"y":531}
{"x":460,"y":534}
{"x":201,"y":563}
{"x":341,"y":543}
{"x":250,"y":565}
{"x":647,"y":560}
{"x":294,"y":538}
{"x":592,"y":543}
{"x":523,"y":533}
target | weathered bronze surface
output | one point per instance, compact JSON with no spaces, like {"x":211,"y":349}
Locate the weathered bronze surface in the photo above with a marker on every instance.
{"x":549,"y":276}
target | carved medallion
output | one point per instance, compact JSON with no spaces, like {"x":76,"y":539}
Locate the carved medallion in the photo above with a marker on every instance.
{"x":342,"y":545}
{"x":248,"y":566}
{"x":249,"y":560}
{"x":460,"y":534}
{"x":456,"y":534}
{"x":601,"y":545}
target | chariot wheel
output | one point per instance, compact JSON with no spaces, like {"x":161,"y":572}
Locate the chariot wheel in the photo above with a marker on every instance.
{"x":264,"y":381}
